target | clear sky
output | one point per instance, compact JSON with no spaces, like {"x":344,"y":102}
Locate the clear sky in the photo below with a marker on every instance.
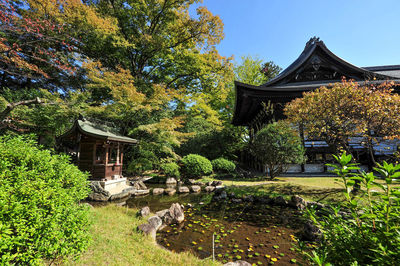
{"x":362,"y":32}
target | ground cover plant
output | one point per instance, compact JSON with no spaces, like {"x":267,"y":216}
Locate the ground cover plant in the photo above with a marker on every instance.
{"x":40,"y":215}
{"x":368,"y":232}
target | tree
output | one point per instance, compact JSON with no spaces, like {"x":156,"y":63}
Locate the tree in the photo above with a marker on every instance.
{"x":253,"y":71}
{"x":277,"y":145}
{"x":348,"y":110}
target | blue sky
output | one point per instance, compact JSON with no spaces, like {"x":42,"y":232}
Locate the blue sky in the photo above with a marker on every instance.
{"x":363,"y":32}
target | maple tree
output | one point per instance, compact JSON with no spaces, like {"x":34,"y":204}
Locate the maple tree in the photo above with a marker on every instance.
{"x":348,"y":110}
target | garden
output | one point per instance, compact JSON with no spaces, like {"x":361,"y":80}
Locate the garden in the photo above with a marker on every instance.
{"x":150,"y":71}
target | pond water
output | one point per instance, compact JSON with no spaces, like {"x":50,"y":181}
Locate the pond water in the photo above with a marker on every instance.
{"x":258,"y":233}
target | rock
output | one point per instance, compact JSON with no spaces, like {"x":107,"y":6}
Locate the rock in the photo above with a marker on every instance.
{"x":238,"y":263}
{"x":172,"y":215}
{"x":145,"y":211}
{"x":209,"y":183}
{"x":263,"y":200}
{"x":298,"y":202}
{"x":189,"y":205}
{"x":191,"y":181}
{"x":248,"y":198}
{"x":237,"y":200}
{"x":180,"y":183}
{"x":139,"y":185}
{"x":148,"y":230}
{"x":155,"y":221}
{"x":216,"y":183}
{"x":170,"y":180}
{"x":170,"y":191}
{"x":219,"y":187}
{"x":158,"y":191}
{"x":141,"y":192}
{"x":183,"y":190}
{"x":98,"y":192}
{"x":219,"y":196}
{"x":280,"y":201}
{"x":120,"y":195}
{"x":209,"y":188}
{"x":199,"y":183}
{"x":311,"y":232}
{"x":196,"y":188}
{"x":161,"y":213}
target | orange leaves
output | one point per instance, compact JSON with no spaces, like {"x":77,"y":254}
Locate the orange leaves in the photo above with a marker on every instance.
{"x":347,"y":110}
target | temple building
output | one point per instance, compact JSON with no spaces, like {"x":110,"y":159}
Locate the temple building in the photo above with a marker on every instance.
{"x":315,"y":67}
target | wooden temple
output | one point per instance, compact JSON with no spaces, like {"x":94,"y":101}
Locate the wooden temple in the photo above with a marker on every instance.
{"x":315,"y":67}
{"x":96,"y":148}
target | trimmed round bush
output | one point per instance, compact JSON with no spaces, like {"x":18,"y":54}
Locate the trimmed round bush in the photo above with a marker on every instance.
{"x":222,"y":165}
{"x":170,"y":169}
{"x":40,"y":215}
{"x":195,"y":165}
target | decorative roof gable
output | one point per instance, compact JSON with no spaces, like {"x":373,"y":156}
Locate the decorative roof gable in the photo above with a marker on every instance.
{"x":318,"y":63}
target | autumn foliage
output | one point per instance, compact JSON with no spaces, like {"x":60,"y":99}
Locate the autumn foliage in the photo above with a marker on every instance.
{"x":348,"y":110}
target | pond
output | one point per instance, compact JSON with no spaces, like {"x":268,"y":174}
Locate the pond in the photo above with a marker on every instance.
{"x":256,"y":233}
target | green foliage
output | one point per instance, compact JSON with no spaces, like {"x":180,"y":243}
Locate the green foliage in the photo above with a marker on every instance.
{"x":195,"y":165}
{"x":277,"y":145}
{"x":40,"y":215}
{"x":170,"y":169}
{"x":210,"y":141}
{"x":370,"y":234}
{"x":253,"y":71}
{"x":143,"y":160}
{"x":222,"y":165}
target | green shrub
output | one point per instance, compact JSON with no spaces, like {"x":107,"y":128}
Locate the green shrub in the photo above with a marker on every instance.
{"x":277,"y":145}
{"x":222,"y":165}
{"x":195,"y":165}
{"x":369,"y":234}
{"x":40,"y":215}
{"x":170,"y":169}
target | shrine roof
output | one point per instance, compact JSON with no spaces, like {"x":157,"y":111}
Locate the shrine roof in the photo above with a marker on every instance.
{"x":99,"y":130}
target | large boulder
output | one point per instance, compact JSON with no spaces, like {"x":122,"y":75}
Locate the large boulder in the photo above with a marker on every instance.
{"x":141,"y":192}
{"x":196,"y":188}
{"x":173,"y":215}
{"x":158,"y":191}
{"x":298,"y":202}
{"x":209,"y":188}
{"x":98,"y":193}
{"x":170,"y":180}
{"x":183,"y":190}
{"x":145,"y":211}
{"x":148,"y":229}
{"x":170,"y":191}
{"x":139,"y":185}
{"x":155,"y":221}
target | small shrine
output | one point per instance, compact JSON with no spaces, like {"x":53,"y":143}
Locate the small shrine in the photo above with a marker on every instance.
{"x":97,"y":149}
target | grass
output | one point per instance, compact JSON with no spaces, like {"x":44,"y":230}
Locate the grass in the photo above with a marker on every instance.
{"x":116,"y":242}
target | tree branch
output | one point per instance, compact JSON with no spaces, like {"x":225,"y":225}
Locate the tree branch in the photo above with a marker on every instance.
{"x":12,"y":106}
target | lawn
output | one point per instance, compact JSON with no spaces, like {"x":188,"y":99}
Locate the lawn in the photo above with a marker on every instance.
{"x":116,"y":242}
